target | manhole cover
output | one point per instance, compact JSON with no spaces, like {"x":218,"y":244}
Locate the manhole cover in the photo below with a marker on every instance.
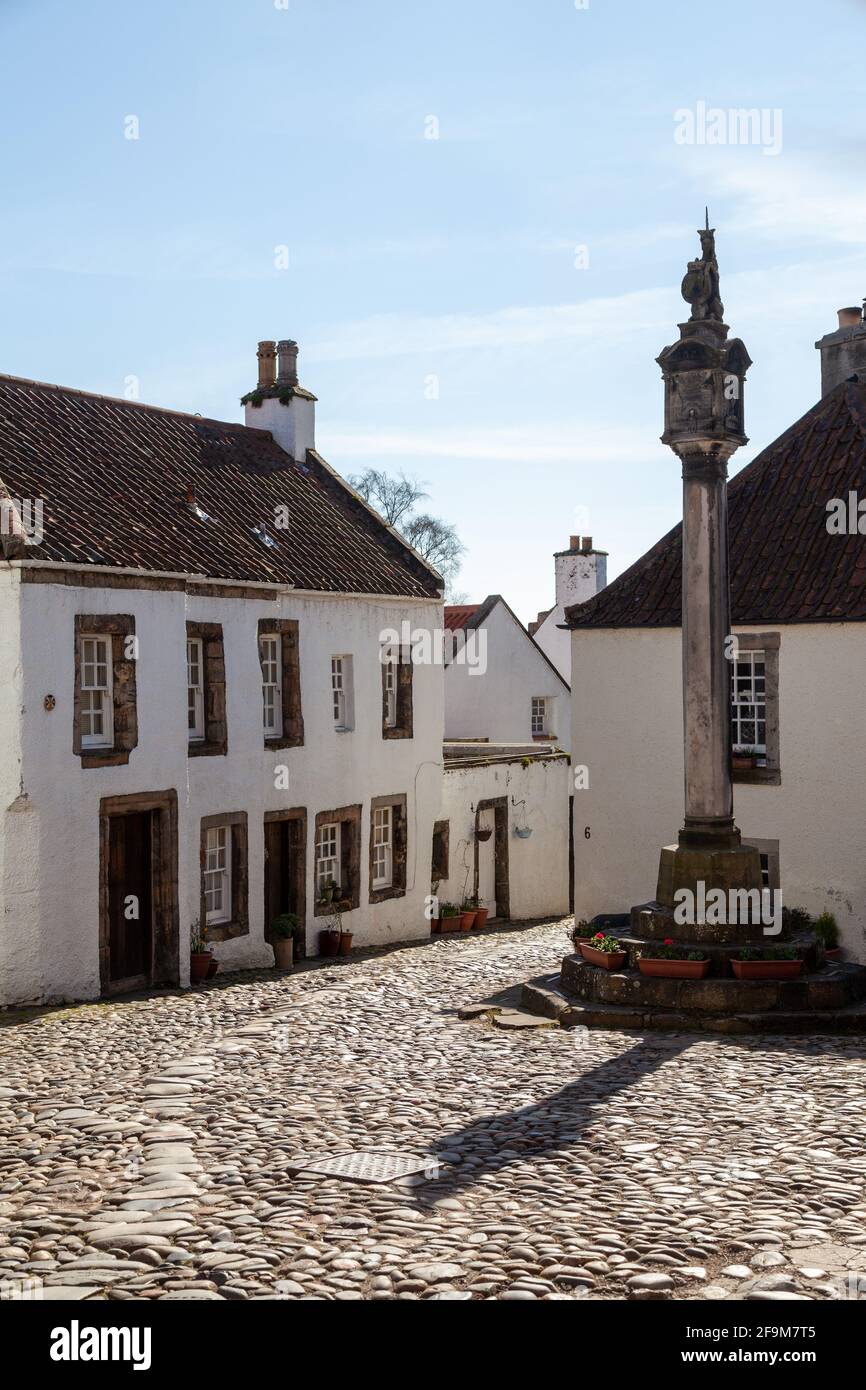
{"x":370,"y":1167}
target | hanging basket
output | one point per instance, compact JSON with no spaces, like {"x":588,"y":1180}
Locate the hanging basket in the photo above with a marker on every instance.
{"x":523,"y":832}
{"x":484,"y":833}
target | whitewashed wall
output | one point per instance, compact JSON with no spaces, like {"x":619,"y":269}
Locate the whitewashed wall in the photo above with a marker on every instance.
{"x":497,"y":705}
{"x":51,"y":858}
{"x":538,"y":867}
{"x":627,"y":728}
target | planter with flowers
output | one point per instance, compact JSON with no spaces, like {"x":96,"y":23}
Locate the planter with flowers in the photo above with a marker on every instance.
{"x":603,"y":950}
{"x":826,"y":927}
{"x":772,"y":963}
{"x":743,"y":758}
{"x":284,"y":929}
{"x":468,"y":913}
{"x":449,"y":917}
{"x":671,"y":962}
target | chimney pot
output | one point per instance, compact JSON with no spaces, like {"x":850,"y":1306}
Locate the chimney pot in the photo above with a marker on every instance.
{"x":574,"y":542}
{"x":587,"y":543}
{"x":267,"y":355}
{"x":850,"y":318}
{"x":288,"y":359}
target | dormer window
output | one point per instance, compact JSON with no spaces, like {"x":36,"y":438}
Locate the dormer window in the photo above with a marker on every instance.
{"x":262,"y":534}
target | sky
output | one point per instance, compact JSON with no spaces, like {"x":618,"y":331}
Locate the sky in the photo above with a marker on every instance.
{"x":473,"y":216}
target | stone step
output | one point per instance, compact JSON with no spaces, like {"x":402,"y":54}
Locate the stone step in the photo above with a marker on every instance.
{"x":835,"y":986}
{"x":545,"y":997}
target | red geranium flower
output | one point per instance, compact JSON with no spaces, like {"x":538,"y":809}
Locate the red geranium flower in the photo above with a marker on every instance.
{"x":668,"y":941}
{"x":599,"y":936}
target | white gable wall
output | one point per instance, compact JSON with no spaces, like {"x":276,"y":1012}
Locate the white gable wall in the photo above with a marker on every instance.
{"x":496,"y":705}
{"x":627,"y":728}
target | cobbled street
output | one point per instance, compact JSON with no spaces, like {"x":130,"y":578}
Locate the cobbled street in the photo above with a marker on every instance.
{"x":149,"y":1145}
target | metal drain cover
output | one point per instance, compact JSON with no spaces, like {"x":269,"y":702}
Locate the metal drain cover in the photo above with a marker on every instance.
{"x":370,"y":1167}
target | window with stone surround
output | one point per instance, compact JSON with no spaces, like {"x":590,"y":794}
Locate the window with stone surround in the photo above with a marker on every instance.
{"x":104,"y":708}
{"x":338,"y":857}
{"x":205,"y":640}
{"x":279,"y":658}
{"x":387,"y":847}
{"x":397,"y":680}
{"x":755,"y":708}
{"x":342,"y":694}
{"x":195,"y":688}
{"x":224,"y":875}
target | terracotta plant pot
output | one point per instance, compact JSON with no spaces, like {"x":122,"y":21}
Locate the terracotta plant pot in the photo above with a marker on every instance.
{"x":344,"y":945}
{"x":329,"y":943}
{"x":284,"y":954}
{"x":674,"y":969}
{"x":612,"y":960}
{"x":199,"y":964}
{"x":451,"y":923}
{"x":834,"y":952}
{"x":481,"y":916}
{"x":435,"y":926}
{"x":467,"y":920}
{"x":766,"y":969}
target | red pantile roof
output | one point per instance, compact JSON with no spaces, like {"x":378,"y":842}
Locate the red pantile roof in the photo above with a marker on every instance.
{"x":785,"y":566}
{"x":457,"y":615}
{"x":115,"y":477}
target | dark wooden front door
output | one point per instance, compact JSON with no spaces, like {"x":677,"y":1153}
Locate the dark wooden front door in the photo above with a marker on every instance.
{"x":130,"y":899}
{"x":285,"y":850}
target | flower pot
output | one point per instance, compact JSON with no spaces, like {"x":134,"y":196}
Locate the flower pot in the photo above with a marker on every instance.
{"x":329,"y":943}
{"x":344,"y":945}
{"x":435,"y":926}
{"x":766,"y":969}
{"x":834,"y":952}
{"x":522,"y":832}
{"x":199,"y":964}
{"x":612,"y":960}
{"x":467,"y":920}
{"x":283,"y":948}
{"x":451,"y":923}
{"x":213,"y":967}
{"x":674,"y":969}
{"x":481,"y":916}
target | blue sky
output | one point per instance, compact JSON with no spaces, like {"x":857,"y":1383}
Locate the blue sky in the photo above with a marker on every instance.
{"x":412,"y":258}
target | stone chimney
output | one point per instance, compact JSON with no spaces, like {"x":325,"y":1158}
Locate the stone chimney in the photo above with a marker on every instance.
{"x":278,"y":403}
{"x":580,"y":571}
{"x":843,"y":352}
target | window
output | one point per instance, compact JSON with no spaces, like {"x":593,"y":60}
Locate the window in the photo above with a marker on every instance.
{"x":97,"y":723}
{"x":224,"y":891}
{"x":338,"y":857}
{"x":389,"y":686}
{"x":104,"y":705}
{"x":382,"y":866}
{"x":397,"y":674}
{"x":748,"y":700}
{"x":387,"y":847}
{"x":342,"y":701}
{"x":327,"y":856}
{"x":195,"y":688}
{"x":207,"y":728}
{"x":279,"y":659}
{"x":218,"y":875}
{"x":270,"y":655}
{"x":539,"y":715}
{"x":755,"y":707}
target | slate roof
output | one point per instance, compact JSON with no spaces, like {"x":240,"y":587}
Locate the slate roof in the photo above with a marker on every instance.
{"x":116,"y":476}
{"x":785,"y":566}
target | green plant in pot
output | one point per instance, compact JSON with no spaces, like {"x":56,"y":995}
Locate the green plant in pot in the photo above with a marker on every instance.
{"x":202,"y":964}
{"x":827,"y":929}
{"x":284,"y":929}
{"x":449,"y":916}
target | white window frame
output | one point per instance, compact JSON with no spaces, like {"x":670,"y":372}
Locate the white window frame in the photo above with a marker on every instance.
{"x":218,"y":873}
{"x":195,"y":690}
{"x":329,"y":844}
{"x":96,"y":695}
{"x":342,"y":698}
{"x":390,"y":667}
{"x":383,"y":847}
{"x":535,"y":716}
{"x":749,"y":699}
{"x":271,"y":661}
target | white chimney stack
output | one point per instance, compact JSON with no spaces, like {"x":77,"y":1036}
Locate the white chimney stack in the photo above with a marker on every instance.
{"x":581,"y":571}
{"x":843,"y":352}
{"x":278,"y":403}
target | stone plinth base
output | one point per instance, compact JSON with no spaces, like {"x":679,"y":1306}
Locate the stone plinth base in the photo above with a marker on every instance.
{"x":684,"y":867}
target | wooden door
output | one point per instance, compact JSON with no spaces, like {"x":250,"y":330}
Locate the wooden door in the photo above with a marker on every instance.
{"x":130,"y":898}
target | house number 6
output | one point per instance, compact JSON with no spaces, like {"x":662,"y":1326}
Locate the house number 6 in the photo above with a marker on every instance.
{"x":586,"y":834}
